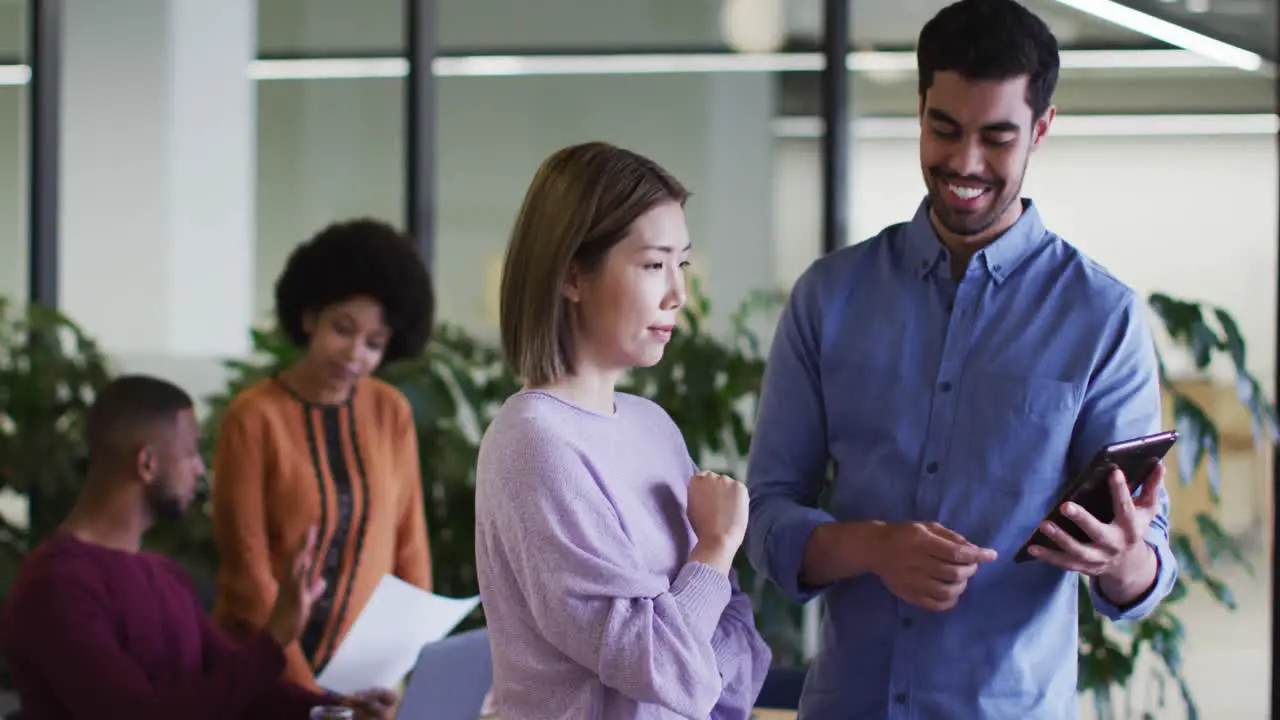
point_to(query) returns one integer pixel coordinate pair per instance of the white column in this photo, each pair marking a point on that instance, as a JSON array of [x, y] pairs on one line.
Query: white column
[[157, 177]]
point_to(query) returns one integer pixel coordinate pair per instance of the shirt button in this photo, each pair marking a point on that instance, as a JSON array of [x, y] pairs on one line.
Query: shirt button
[[931, 468], [945, 386], [900, 698], [907, 622]]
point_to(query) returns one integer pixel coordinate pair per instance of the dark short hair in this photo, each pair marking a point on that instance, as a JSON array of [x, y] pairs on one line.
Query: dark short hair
[[128, 408], [582, 201], [359, 258], [990, 40]]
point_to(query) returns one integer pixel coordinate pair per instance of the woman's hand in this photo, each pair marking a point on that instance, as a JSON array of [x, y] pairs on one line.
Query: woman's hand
[[717, 510]]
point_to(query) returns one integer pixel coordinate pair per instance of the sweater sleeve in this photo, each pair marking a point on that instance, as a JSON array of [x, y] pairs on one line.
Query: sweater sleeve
[[68, 636], [246, 586], [281, 700], [742, 656], [413, 553], [589, 594]]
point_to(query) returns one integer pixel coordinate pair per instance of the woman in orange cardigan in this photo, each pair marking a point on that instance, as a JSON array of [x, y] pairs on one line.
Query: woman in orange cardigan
[[323, 443]]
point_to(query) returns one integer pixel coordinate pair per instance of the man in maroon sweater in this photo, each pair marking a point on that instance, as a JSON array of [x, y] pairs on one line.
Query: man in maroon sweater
[[94, 628]]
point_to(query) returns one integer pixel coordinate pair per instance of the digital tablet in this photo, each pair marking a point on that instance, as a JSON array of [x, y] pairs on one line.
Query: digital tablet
[[1091, 489]]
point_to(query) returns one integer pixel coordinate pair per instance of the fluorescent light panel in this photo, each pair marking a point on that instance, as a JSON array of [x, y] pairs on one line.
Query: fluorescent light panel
[[1163, 30], [908, 128], [639, 64], [14, 74]]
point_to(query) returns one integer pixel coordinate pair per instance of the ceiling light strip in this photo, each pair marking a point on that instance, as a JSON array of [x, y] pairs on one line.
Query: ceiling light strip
[[1165, 31], [641, 64]]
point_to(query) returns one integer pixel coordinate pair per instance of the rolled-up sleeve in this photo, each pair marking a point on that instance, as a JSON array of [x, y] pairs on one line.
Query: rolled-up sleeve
[[788, 460], [1123, 402]]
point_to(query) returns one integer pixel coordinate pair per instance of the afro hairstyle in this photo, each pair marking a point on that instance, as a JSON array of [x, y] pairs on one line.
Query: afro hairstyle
[[359, 258]]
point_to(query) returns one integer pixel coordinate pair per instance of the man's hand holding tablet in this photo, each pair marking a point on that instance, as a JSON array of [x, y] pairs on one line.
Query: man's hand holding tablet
[[1107, 540]]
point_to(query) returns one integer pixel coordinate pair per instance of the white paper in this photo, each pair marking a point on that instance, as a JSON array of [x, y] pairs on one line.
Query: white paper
[[383, 643]]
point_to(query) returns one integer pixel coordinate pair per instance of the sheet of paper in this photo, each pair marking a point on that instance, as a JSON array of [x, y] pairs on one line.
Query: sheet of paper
[[383, 643]]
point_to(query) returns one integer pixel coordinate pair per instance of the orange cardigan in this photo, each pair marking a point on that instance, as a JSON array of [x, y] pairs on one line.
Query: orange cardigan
[[283, 464]]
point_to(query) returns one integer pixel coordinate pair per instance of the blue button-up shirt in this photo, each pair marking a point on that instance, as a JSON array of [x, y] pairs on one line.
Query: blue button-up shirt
[[969, 403]]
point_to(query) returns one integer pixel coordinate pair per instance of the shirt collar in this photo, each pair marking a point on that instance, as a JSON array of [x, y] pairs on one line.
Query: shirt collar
[[924, 250]]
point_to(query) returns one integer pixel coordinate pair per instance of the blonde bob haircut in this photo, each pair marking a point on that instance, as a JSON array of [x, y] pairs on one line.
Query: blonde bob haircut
[[582, 201]]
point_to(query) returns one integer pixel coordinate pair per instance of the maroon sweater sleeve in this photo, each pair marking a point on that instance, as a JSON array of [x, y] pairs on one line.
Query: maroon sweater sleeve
[[281, 700], [68, 638]]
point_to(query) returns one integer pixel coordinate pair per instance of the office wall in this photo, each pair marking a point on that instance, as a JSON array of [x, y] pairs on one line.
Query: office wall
[[335, 148], [712, 131]]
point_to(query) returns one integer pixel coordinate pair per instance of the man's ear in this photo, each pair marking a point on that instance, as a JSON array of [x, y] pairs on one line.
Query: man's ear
[[147, 464], [1040, 128], [309, 321]]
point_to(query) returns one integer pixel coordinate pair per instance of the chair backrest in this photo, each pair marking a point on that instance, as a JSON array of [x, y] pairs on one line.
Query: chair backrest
[[450, 680]]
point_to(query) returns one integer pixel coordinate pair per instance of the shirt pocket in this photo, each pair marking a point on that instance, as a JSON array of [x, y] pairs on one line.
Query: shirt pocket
[[1017, 431]]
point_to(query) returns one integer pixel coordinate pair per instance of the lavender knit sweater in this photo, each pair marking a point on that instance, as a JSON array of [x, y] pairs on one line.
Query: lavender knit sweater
[[582, 546]]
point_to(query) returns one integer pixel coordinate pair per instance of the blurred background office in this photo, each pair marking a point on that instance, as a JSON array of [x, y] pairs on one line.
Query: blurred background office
[[165, 156]]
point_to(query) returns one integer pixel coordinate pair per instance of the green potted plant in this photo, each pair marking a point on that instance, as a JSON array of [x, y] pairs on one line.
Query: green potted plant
[[1110, 653], [50, 372]]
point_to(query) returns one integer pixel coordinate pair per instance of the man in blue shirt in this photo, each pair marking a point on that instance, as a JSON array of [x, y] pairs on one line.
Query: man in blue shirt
[[950, 375]]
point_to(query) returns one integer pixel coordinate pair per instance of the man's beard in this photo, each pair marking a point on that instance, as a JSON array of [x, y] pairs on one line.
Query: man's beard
[[164, 504], [965, 224]]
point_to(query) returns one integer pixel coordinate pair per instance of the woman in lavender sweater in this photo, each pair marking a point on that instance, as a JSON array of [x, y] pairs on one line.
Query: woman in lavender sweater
[[603, 554]]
